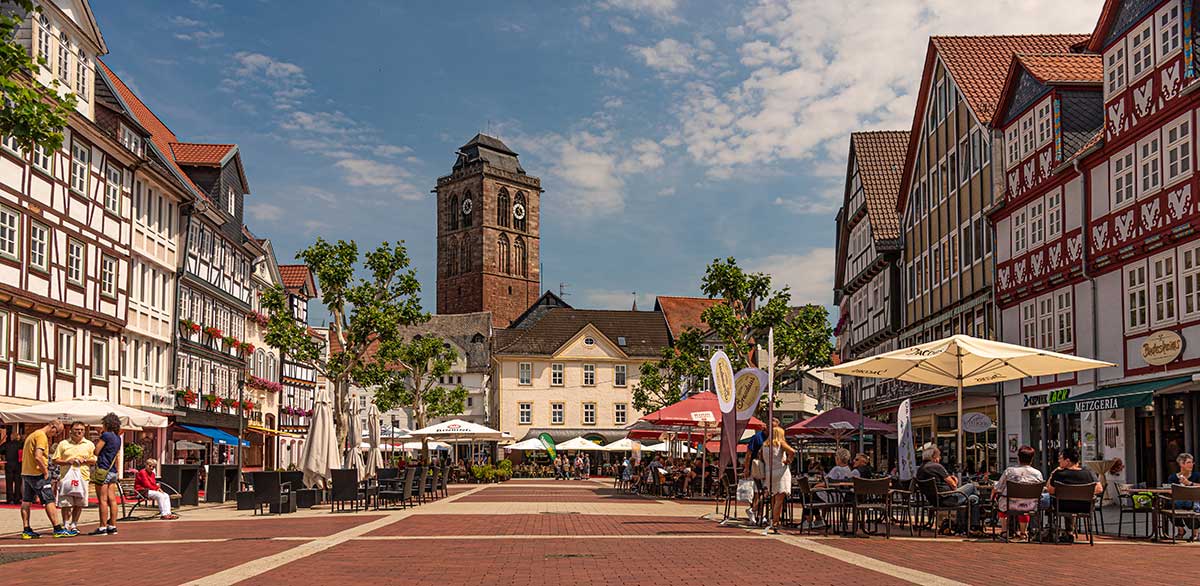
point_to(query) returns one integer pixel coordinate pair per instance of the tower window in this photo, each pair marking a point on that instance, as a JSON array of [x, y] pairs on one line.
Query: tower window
[[502, 208], [503, 260], [519, 253], [519, 211], [454, 212], [510, 289]]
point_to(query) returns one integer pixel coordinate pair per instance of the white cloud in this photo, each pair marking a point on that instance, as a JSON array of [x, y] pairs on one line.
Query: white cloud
[[815, 71], [265, 212], [668, 56], [664, 10], [825, 202], [391, 150], [202, 37], [371, 173], [615, 299], [666, 191], [809, 275], [590, 167], [611, 75], [284, 81], [644, 156], [613, 102], [622, 26], [207, 5], [184, 21]]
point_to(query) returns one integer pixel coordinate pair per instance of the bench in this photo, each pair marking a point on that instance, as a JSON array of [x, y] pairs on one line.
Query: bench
[[129, 493]]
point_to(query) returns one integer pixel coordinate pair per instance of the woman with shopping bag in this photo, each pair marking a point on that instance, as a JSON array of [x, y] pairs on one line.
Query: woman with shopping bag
[[75, 455]]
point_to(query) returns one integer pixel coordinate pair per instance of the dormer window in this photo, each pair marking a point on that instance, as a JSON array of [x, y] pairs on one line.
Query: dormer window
[[81, 66], [131, 140], [230, 201]]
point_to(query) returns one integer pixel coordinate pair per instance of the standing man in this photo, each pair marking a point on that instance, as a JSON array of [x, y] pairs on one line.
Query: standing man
[[35, 479], [77, 452], [11, 448], [558, 467]]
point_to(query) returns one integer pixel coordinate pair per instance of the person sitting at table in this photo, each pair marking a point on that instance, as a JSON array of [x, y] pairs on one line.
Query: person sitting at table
[[842, 471], [959, 493], [862, 465], [1023, 472], [1187, 476], [1069, 472]]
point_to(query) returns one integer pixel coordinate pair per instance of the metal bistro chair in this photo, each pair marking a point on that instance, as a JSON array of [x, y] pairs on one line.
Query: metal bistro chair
[[431, 483], [272, 493], [419, 487], [802, 493], [1078, 494], [1167, 511], [904, 504], [933, 503], [1127, 504], [442, 481], [345, 489], [870, 498], [1013, 491], [391, 486]]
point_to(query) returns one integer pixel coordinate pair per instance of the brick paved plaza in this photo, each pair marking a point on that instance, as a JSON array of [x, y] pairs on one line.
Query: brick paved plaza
[[548, 533]]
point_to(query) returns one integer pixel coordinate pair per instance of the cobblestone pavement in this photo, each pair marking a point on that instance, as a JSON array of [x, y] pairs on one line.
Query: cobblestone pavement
[[572, 533]]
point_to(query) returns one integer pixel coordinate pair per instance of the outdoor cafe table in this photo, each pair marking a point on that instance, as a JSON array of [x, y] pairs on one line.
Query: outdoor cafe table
[[1154, 508]]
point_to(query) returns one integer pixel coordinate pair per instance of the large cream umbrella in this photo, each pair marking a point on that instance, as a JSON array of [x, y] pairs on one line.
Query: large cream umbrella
[[321, 445], [351, 456], [964, 361], [532, 444], [374, 437], [88, 409], [579, 444]]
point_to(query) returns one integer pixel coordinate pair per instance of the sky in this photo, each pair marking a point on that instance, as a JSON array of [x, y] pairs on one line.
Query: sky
[[666, 133]]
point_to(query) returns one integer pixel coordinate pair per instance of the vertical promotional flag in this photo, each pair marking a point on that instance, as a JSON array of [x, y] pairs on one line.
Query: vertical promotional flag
[[548, 443], [722, 375], [907, 460]]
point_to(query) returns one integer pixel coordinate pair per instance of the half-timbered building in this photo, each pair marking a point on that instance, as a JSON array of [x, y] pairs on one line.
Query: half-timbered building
[[299, 379]]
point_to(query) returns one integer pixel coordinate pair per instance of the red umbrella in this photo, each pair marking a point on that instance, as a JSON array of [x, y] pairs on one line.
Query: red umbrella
[[837, 420], [694, 411], [714, 447]]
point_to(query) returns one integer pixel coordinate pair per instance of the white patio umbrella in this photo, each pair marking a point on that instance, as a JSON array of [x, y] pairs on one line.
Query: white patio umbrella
[[622, 445], [531, 444], [665, 447], [321, 445], [456, 430], [374, 437], [351, 457], [90, 410], [963, 361], [579, 444], [433, 445]]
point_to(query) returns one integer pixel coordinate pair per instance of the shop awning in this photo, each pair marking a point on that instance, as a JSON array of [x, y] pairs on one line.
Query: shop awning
[[218, 436], [269, 431], [1118, 397]]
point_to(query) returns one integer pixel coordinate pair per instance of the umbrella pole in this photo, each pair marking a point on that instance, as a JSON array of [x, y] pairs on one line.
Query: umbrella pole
[[959, 432]]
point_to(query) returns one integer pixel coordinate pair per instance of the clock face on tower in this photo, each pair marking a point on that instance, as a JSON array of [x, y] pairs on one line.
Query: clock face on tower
[[519, 211], [466, 207]]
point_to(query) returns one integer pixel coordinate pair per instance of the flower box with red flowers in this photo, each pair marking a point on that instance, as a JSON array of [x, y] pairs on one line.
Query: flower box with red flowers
[[229, 402], [214, 332], [189, 326], [246, 348], [264, 384], [248, 405], [259, 318], [186, 396], [212, 400]]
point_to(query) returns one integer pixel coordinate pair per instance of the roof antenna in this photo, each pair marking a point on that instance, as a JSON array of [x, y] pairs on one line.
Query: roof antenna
[[634, 300], [562, 289]]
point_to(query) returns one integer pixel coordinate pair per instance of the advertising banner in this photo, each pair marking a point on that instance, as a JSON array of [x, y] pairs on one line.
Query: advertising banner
[[906, 457]]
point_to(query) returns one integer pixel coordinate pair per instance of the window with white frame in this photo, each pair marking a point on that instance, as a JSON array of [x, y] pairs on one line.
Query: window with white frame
[[619, 374], [1141, 50], [1064, 318], [980, 237], [524, 373], [81, 67], [39, 242], [99, 358], [556, 374], [131, 140], [230, 201], [589, 414], [937, 263], [66, 351], [10, 234], [64, 58], [946, 262], [1028, 324], [952, 251], [1046, 322], [43, 51], [1149, 165], [620, 413], [1114, 69], [1167, 20], [1189, 274], [1054, 214], [108, 276], [1020, 230], [557, 413], [80, 158], [1037, 222], [1135, 297], [112, 189], [966, 238], [1178, 135], [525, 413], [9, 143], [1028, 134], [1162, 285], [977, 148], [1121, 174], [75, 261], [589, 375], [1045, 122], [29, 348]]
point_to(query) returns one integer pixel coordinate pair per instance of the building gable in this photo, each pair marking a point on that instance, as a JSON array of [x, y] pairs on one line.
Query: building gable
[[600, 348], [79, 13], [1117, 17], [1026, 91]]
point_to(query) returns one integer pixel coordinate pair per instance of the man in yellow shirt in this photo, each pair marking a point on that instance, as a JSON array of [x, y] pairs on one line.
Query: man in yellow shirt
[[77, 452], [35, 478]]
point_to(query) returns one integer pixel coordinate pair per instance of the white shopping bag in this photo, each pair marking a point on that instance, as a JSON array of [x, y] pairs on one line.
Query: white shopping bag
[[745, 490], [72, 484]]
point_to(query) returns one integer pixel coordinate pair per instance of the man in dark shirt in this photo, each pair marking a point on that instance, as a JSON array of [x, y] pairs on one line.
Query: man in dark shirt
[[931, 467], [863, 465], [11, 448], [1069, 472]]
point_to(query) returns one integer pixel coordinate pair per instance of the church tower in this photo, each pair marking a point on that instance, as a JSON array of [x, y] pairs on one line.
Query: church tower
[[488, 213]]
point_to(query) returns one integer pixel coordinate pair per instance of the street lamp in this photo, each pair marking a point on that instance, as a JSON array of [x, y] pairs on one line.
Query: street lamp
[[241, 409]]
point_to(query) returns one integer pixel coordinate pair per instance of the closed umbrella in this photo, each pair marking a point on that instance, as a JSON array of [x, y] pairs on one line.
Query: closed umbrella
[[321, 445], [351, 457], [374, 437], [962, 361]]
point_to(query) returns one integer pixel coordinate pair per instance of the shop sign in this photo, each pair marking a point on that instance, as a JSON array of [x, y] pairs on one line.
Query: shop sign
[[1036, 401], [1161, 347], [976, 422]]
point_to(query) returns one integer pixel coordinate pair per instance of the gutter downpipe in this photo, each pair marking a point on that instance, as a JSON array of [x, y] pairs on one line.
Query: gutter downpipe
[[1084, 213]]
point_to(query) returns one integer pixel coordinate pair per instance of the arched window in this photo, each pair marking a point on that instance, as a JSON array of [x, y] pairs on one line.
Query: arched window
[[452, 257], [260, 363], [520, 211], [454, 212], [519, 256], [502, 208], [503, 262], [468, 210], [464, 256]]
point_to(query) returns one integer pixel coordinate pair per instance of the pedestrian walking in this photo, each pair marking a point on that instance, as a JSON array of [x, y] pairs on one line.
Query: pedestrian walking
[[587, 466], [558, 467], [578, 467], [77, 454], [11, 449], [105, 474], [35, 479]]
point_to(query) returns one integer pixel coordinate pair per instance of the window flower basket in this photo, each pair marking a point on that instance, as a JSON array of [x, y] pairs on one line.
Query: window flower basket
[[214, 332], [246, 348], [212, 401], [289, 410], [189, 326], [248, 405], [259, 318], [230, 403], [264, 384], [186, 396], [231, 342]]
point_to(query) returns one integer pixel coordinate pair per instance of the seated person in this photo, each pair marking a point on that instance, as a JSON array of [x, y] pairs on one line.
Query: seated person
[[959, 494], [842, 471], [1187, 476], [862, 465], [1023, 472], [1069, 472], [146, 483]]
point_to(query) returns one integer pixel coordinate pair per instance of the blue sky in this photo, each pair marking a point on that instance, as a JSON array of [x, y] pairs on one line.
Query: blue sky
[[666, 132]]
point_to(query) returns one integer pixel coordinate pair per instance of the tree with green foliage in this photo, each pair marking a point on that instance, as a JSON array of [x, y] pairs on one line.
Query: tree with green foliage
[[365, 317], [33, 115], [682, 366], [417, 388], [803, 336]]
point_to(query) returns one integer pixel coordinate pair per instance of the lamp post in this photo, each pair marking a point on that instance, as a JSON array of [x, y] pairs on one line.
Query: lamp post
[[241, 421]]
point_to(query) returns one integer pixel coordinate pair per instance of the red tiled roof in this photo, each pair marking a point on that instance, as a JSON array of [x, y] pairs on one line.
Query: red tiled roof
[[682, 313], [160, 135], [191, 153], [294, 276], [1064, 67], [880, 157]]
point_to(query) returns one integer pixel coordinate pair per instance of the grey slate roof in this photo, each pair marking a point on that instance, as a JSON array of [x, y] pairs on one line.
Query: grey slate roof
[[645, 332], [491, 150]]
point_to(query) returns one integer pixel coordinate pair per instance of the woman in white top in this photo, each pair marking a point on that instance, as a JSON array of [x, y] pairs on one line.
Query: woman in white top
[[777, 454], [1024, 473]]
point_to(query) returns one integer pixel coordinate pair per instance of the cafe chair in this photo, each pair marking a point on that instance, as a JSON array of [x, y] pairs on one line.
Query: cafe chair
[[273, 494], [871, 500], [1016, 491], [1127, 504], [933, 504], [1172, 516], [1076, 493]]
